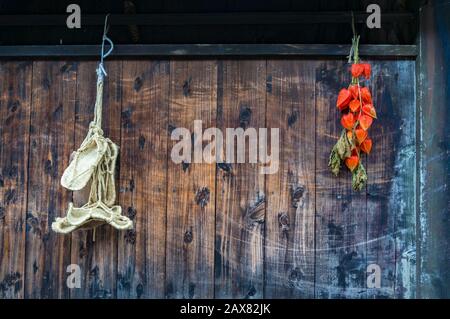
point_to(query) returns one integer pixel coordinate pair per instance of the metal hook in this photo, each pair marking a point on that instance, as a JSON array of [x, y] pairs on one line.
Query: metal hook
[[103, 55]]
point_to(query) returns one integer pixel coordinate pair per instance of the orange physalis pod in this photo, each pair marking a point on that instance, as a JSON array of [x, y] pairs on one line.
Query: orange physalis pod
[[357, 70], [365, 121], [344, 98], [366, 96], [360, 135], [352, 162], [354, 90], [348, 121], [355, 105], [366, 146], [369, 110], [367, 70]]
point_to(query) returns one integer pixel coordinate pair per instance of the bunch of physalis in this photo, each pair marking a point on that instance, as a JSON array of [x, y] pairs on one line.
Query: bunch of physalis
[[358, 112]]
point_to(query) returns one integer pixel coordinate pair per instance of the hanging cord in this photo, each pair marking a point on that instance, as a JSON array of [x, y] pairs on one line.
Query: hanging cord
[[354, 54], [101, 73], [96, 125]]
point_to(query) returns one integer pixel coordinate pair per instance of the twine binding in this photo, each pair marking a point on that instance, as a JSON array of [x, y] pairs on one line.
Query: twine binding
[[94, 161]]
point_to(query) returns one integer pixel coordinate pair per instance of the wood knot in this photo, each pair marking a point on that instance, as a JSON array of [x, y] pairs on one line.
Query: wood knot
[[171, 128], [137, 83], [283, 221], [13, 105], [33, 224], [202, 197], [48, 167], [126, 118], [226, 167], [131, 212], [255, 212], [292, 118], [245, 115], [252, 291], [139, 290], [296, 274], [141, 142], [184, 166], [10, 197], [130, 236], [296, 195], [10, 172], [82, 251], [9, 281], [335, 231], [188, 236], [187, 87]]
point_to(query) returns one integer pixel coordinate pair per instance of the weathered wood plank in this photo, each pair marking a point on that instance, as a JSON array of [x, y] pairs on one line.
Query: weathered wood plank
[[51, 143], [380, 169], [240, 203], [289, 237], [403, 191], [434, 108], [143, 178], [391, 186], [340, 211], [96, 254], [15, 104], [191, 188]]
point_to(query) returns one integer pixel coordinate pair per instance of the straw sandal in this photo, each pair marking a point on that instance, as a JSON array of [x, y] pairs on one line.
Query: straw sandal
[[94, 161], [85, 160]]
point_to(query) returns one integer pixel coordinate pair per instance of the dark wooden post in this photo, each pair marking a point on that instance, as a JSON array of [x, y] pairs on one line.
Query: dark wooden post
[[434, 165]]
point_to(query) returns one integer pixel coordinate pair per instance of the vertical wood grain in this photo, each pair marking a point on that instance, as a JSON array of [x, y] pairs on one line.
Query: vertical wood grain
[[240, 203], [391, 188], [289, 237], [51, 143], [340, 211], [434, 157], [15, 103], [191, 188], [143, 179], [96, 255]]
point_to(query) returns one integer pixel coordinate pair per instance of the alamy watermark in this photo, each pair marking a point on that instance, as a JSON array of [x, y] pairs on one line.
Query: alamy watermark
[[74, 278], [189, 148]]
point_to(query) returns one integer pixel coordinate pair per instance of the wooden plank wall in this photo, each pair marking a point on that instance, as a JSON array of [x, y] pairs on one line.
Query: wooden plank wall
[[206, 230]]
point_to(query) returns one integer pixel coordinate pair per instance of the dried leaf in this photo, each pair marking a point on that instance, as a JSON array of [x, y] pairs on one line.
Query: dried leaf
[[335, 161], [359, 178], [343, 146]]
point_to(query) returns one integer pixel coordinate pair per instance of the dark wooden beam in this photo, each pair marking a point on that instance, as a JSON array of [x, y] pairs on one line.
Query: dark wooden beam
[[180, 19], [408, 51]]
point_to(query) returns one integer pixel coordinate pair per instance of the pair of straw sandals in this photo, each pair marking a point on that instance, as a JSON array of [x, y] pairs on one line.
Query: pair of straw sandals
[[94, 161]]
